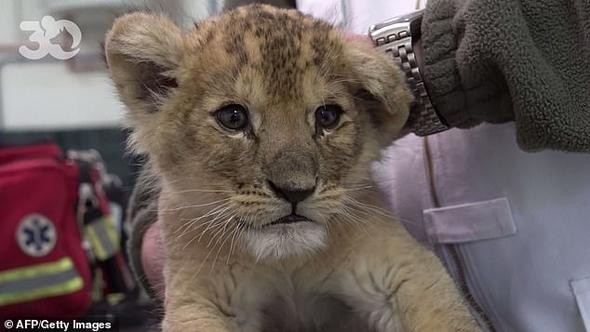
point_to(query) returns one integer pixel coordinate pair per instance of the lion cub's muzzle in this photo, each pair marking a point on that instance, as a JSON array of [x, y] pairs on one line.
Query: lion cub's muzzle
[[291, 176], [293, 196]]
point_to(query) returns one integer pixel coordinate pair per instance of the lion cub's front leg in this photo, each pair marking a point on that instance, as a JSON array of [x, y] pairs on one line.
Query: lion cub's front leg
[[397, 285], [214, 300]]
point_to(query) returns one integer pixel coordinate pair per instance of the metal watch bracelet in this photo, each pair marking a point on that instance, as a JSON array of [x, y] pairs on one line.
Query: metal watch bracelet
[[395, 37]]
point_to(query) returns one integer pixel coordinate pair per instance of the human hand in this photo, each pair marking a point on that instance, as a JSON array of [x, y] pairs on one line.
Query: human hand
[[152, 260]]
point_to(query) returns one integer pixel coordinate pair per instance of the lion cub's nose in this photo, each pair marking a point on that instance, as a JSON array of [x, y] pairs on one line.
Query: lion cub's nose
[[293, 196]]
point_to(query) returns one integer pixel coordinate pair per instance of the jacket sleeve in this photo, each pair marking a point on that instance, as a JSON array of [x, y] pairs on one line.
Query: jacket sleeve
[[522, 60]]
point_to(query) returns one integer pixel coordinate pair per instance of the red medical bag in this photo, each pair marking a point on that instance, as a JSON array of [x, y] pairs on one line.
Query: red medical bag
[[44, 268]]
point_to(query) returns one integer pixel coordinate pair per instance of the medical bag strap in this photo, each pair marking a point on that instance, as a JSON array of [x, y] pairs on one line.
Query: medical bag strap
[[102, 234]]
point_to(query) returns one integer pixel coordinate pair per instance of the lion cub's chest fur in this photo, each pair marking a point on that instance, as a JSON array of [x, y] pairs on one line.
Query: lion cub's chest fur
[[292, 304], [313, 312]]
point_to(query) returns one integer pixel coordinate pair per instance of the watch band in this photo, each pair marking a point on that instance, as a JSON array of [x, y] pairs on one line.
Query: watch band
[[395, 37]]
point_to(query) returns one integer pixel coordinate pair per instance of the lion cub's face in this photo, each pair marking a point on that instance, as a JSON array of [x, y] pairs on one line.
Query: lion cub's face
[[270, 112]]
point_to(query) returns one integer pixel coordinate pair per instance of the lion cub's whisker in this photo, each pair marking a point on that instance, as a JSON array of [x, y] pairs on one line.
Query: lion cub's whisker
[[221, 229], [188, 191], [190, 222], [178, 208], [370, 209], [189, 227], [212, 224]]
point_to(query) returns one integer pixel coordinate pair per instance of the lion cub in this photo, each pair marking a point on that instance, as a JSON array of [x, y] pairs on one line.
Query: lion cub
[[260, 125]]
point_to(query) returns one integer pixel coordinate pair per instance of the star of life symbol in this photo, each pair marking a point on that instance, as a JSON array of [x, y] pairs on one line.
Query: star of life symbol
[[44, 32], [36, 235]]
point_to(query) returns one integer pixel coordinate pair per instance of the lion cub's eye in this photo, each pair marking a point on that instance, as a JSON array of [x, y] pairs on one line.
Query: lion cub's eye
[[232, 117], [328, 116]]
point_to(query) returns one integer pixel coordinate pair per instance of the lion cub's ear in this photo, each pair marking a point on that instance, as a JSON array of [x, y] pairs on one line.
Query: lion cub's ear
[[382, 89], [143, 52]]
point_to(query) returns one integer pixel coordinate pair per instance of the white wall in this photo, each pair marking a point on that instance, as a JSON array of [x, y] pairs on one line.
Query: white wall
[[8, 25], [48, 96]]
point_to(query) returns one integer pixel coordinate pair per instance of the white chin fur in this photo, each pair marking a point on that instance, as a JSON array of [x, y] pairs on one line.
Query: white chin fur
[[280, 241]]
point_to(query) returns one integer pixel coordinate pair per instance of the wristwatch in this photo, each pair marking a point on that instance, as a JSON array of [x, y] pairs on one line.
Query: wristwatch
[[396, 37]]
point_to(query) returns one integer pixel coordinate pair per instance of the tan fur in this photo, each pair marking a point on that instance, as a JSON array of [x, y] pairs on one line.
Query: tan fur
[[353, 268]]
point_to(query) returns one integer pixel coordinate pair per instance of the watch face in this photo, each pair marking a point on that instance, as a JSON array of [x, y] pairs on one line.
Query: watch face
[[411, 22], [407, 18], [410, 16]]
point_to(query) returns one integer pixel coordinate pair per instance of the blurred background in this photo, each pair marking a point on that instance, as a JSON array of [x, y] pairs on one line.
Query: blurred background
[[62, 246], [71, 102]]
